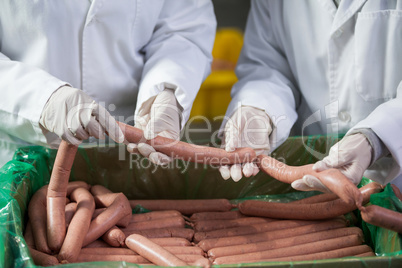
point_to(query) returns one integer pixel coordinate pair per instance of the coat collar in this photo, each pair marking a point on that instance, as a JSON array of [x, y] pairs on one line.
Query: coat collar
[[343, 13]]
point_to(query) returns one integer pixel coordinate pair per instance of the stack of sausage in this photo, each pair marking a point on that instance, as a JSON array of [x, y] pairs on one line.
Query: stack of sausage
[[101, 227]]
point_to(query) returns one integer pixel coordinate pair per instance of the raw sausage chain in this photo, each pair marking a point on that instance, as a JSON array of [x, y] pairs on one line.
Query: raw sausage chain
[[100, 226]]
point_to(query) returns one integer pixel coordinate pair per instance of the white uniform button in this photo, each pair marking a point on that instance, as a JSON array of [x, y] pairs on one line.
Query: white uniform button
[[344, 116], [338, 33]]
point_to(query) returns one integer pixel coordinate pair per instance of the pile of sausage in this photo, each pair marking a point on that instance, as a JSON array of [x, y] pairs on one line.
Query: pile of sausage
[[100, 226]]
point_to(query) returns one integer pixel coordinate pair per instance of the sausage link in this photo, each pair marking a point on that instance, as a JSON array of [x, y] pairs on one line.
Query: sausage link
[[119, 209], [316, 211], [186, 233], [114, 237], [309, 248], [383, 217], [186, 207], [152, 251], [252, 229], [207, 244], [226, 215], [333, 179], [189, 152], [284, 242], [56, 195], [79, 225]]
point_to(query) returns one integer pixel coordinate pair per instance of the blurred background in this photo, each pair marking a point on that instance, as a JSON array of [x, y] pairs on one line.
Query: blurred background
[[214, 95]]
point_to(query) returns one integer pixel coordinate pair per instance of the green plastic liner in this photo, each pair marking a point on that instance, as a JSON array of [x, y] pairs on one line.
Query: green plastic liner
[[112, 167]]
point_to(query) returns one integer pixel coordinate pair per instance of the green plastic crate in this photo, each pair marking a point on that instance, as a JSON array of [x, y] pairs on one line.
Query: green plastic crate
[[112, 167]]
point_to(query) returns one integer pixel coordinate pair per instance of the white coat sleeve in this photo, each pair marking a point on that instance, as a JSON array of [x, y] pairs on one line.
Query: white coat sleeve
[[386, 122], [178, 55], [265, 78], [25, 90]]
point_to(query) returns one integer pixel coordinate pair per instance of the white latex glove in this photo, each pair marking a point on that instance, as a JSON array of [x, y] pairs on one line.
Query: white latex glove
[[158, 116], [248, 127], [351, 155], [74, 116]]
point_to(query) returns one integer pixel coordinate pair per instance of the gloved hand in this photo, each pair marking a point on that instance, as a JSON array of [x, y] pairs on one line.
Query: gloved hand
[[351, 155], [248, 127], [158, 116], [74, 116]]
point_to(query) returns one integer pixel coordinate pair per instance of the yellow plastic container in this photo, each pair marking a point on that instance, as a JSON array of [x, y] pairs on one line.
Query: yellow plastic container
[[213, 97]]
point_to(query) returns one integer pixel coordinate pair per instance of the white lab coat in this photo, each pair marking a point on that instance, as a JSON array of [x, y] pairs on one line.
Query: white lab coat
[[120, 53], [316, 69]]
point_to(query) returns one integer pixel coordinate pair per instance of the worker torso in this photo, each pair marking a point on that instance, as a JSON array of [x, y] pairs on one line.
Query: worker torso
[[346, 60], [96, 46]]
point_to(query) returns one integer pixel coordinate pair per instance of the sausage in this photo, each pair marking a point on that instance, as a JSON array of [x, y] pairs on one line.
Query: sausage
[[28, 236], [186, 233], [119, 209], [333, 179], [104, 198], [186, 206], [107, 251], [252, 229], [79, 225], [207, 244], [153, 215], [104, 258], [37, 218], [171, 241], [210, 225], [316, 211], [383, 217], [100, 190], [171, 222], [309, 248], [189, 152], [226, 215], [396, 191], [56, 195], [97, 244], [72, 185], [152, 251], [114, 237], [188, 250], [284, 242], [324, 197], [336, 253], [42, 259], [121, 223], [366, 254], [69, 212], [37, 214]]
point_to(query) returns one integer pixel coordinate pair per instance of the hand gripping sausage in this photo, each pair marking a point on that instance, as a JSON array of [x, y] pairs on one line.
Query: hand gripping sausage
[[189, 152], [56, 194], [333, 179]]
